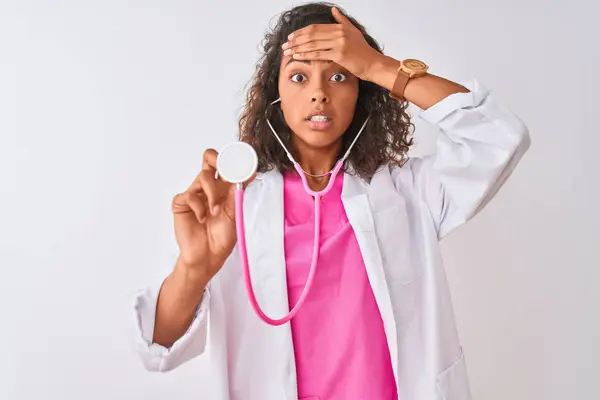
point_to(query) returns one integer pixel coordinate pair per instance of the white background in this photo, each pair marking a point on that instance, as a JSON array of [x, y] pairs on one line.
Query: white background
[[106, 107]]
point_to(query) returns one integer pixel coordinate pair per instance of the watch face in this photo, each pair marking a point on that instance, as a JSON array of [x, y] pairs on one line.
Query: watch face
[[415, 65]]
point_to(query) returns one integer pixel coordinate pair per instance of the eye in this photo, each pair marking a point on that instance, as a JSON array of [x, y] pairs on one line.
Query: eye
[[341, 77], [298, 74]]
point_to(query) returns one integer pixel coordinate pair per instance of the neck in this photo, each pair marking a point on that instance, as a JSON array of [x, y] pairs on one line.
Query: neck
[[317, 161]]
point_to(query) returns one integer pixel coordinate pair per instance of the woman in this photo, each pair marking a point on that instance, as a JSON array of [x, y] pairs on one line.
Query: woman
[[378, 321]]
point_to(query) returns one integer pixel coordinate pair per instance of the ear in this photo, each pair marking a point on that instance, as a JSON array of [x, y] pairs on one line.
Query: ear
[[338, 16]]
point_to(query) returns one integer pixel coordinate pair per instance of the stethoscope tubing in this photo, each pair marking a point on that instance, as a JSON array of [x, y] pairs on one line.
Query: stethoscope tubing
[[243, 250]]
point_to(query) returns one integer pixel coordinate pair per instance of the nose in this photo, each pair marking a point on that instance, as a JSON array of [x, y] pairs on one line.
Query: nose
[[319, 97]]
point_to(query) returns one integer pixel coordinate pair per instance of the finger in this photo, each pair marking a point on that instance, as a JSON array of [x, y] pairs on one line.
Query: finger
[[196, 186], [339, 17], [328, 34], [330, 55], [198, 205], [314, 29], [206, 181], [210, 164], [209, 159], [311, 46], [190, 202], [214, 189]]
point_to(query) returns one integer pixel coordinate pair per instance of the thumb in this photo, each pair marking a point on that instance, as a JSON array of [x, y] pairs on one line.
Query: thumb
[[338, 16]]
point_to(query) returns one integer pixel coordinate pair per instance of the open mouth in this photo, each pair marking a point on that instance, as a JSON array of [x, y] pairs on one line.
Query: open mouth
[[319, 122], [319, 118]]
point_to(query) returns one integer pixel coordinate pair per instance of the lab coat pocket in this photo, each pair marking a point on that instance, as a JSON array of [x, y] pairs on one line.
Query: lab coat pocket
[[395, 242], [453, 383]]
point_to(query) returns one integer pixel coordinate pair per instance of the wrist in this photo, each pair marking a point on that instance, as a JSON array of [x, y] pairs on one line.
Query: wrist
[[383, 71], [195, 275]]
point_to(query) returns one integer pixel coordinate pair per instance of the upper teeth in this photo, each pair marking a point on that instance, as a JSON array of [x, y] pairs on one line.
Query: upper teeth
[[319, 118]]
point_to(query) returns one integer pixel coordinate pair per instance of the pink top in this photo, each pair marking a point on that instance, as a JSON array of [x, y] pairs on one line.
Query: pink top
[[339, 341]]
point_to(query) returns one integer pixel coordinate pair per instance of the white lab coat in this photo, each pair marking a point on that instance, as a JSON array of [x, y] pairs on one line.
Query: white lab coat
[[398, 219]]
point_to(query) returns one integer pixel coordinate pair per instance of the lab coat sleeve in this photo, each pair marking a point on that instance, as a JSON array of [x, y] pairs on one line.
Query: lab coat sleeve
[[480, 144], [154, 356]]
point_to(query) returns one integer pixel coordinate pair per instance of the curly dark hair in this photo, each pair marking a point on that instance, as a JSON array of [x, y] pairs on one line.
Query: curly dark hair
[[386, 137]]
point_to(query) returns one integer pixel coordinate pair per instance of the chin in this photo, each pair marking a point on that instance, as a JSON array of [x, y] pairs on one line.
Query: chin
[[314, 138]]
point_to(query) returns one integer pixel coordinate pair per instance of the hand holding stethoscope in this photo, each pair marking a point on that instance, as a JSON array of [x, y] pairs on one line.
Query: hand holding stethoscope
[[206, 239]]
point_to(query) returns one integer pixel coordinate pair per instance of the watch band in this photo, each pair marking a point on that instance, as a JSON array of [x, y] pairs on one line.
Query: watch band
[[400, 83]]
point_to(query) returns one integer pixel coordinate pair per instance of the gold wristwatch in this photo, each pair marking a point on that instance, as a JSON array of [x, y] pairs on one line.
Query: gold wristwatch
[[408, 69]]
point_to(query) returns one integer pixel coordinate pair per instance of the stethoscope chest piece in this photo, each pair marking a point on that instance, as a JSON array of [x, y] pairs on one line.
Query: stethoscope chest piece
[[237, 162]]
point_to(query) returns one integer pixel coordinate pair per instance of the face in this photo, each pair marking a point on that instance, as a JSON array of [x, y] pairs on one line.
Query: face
[[308, 87]]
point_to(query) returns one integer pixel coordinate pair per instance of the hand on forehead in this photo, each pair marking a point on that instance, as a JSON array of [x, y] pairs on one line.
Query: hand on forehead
[[341, 43]]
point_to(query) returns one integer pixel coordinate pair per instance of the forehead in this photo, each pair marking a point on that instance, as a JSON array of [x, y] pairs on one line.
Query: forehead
[[290, 62]]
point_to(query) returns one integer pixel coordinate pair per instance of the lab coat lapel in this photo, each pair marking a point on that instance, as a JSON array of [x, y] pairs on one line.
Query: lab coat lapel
[[263, 209], [359, 209]]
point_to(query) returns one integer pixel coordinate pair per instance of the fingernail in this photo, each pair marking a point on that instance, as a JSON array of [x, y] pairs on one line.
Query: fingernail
[[215, 210], [288, 52], [283, 46], [291, 35]]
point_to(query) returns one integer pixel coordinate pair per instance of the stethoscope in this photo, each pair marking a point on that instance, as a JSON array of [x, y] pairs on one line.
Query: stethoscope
[[236, 163]]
